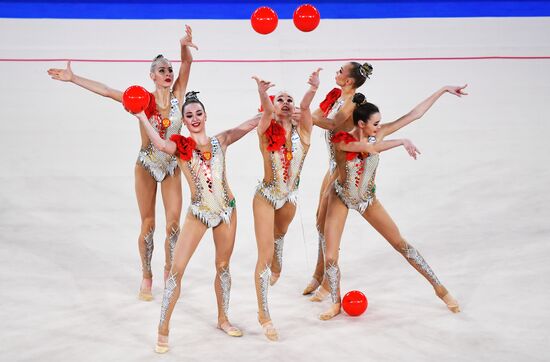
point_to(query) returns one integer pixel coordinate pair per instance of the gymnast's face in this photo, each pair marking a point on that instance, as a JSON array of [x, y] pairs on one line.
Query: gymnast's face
[[342, 75], [370, 127], [163, 75], [194, 117], [284, 104]]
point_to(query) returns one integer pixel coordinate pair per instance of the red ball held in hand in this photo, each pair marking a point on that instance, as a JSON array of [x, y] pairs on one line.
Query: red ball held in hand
[[135, 99], [264, 20], [354, 303], [306, 17]]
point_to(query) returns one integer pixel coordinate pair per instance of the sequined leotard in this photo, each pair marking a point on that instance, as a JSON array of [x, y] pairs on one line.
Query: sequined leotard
[[286, 164], [158, 163], [330, 106], [357, 188], [328, 135], [211, 199]]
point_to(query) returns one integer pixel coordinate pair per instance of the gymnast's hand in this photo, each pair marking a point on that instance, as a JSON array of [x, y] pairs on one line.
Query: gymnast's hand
[[263, 85], [313, 80], [411, 148], [456, 90], [296, 114], [188, 39], [140, 116], [64, 75]]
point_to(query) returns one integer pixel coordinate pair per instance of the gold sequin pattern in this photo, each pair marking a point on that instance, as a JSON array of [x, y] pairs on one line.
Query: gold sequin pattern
[[359, 188], [211, 202], [156, 162], [284, 186]]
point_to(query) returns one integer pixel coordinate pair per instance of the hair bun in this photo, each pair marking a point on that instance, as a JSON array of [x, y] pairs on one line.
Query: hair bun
[[191, 96], [368, 69], [359, 98], [157, 60]]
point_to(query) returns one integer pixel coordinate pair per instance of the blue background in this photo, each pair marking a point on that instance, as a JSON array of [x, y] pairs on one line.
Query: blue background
[[235, 9]]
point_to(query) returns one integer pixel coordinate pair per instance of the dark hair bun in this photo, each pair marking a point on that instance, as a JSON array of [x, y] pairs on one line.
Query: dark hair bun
[[191, 96], [359, 98]]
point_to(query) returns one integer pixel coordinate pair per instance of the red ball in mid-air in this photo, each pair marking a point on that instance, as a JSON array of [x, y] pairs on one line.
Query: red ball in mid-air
[[264, 20], [355, 303], [135, 99], [306, 17]]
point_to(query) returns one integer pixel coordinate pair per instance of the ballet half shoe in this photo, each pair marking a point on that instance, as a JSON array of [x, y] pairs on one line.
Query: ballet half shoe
[[451, 303], [145, 290], [145, 296], [311, 287], [334, 310], [320, 294], [269, 331], [230, 330], [162, 344]]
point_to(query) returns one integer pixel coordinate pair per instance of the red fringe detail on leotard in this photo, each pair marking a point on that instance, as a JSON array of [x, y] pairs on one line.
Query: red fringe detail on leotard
[[346, 138], [330, 99], [276, 136], [185, 146]]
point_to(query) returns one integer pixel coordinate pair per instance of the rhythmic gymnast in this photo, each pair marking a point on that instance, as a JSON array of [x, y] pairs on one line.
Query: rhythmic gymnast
[[334, 114], [283, 145], [153, 166], [201, 159], [356, 155]]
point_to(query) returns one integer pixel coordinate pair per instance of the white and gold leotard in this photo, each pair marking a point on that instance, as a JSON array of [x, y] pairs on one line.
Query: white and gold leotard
[[282, 178], [330, 106], [211, 199], [328, 135], [357, 189], [156, 162]]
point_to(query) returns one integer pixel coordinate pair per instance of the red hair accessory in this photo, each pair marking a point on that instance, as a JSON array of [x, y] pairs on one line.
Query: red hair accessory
[[330, 99], [276, 136], [261, 109], [346, 138], [184, 146]]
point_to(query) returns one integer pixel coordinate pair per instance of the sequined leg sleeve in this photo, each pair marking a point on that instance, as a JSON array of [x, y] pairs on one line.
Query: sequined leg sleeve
[[417, 261], [279, 242], [172, 239], [225, 284], [149, 246], [265, 276], [333, 274], [169, 290], [322, 244]]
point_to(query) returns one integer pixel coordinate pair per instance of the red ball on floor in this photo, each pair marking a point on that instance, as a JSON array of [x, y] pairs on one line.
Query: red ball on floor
[[355, 303]]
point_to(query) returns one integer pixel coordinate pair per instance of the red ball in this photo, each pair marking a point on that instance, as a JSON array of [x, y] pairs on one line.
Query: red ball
[[135, 99], [355, 303], [264, 20], [306, 17]]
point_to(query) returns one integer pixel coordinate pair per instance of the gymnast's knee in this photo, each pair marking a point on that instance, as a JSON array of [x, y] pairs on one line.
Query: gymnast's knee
[[172, 228], [147, 225]]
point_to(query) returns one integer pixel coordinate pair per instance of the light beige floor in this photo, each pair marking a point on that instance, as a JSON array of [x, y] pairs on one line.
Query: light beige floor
[[475, 203]]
